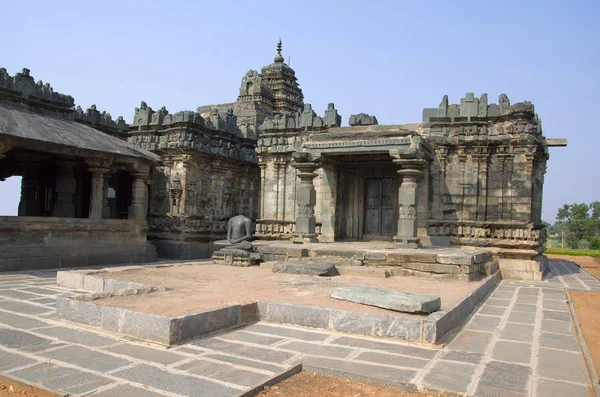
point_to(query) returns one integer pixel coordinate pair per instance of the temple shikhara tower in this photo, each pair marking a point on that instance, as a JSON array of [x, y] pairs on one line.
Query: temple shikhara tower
[[469, 174]]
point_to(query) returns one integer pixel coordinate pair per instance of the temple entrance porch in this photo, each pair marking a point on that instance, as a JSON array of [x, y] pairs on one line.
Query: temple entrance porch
[[375, 189], [366, 199]]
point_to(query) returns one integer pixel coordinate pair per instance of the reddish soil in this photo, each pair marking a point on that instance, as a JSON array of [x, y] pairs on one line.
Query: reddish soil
[[9, 389], [308, 384], [201, 287], [589, 263], [587, 307]]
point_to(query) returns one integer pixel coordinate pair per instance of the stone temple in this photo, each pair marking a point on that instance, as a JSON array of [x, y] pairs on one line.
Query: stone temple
[[468, 175]]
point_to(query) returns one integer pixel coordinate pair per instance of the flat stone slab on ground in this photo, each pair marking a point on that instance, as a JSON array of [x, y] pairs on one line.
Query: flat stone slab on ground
[[313, 268], [407, 302]]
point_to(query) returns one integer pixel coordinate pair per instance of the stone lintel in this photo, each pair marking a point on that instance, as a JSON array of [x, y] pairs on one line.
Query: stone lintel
[[556, 142]]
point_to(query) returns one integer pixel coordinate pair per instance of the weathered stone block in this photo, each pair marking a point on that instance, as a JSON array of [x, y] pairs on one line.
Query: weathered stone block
[[394, 300], [404, 328], [360, 323], [363, 271], [288, 313], [313, 268], [78, 311], [455, 259], [203, 323], [69, 279], [375, 256], [433, 268]]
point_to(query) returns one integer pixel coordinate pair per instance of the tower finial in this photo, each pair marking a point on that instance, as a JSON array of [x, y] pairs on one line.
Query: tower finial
[[279, 57]]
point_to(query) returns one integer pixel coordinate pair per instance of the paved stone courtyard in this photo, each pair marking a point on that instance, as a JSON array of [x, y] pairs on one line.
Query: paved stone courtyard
[[519, 343]]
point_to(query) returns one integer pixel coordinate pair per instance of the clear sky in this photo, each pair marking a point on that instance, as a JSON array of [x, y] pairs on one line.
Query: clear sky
[[387, 58]]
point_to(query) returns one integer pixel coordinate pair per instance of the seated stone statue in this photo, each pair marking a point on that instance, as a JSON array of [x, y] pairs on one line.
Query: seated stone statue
[[239, 235]]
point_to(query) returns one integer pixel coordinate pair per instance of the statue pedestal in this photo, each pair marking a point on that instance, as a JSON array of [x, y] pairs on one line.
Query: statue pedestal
[[235, 257]]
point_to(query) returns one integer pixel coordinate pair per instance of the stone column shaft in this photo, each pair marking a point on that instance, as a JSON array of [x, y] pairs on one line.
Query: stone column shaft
[[406, 233], [66, 185], [97, 193], [138, 196], [306, 198], [30, 204]]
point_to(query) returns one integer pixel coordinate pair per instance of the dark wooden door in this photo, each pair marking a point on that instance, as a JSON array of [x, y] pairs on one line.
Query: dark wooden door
[[379, 207]]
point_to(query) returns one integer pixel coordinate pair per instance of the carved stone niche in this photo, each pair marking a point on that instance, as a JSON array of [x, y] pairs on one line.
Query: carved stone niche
[[175, 192]]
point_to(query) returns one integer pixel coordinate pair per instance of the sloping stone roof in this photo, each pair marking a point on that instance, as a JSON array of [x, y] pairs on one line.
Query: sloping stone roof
[[19, 121]]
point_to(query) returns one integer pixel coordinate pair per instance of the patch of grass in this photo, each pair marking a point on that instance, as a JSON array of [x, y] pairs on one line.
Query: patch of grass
[[564, 251]]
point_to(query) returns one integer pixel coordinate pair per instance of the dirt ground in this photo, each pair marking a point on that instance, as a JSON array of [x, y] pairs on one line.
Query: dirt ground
[[587, 307], [308, 384], [10, 390], [589, 263], [201, 287]]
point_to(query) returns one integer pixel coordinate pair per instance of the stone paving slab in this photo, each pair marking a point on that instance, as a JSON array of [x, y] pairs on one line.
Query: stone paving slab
[[454, 377], [126, 391], [288, 332], [246, 362], [259, 353], [176, 383], [520, 342], [11, 361], [86, 358], [21, 322], [144, 353], [367, 370], [22, 307], [56, 377], [86, 338]]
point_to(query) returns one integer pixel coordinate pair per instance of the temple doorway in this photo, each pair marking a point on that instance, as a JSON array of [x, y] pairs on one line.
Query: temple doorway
[[379, 208]]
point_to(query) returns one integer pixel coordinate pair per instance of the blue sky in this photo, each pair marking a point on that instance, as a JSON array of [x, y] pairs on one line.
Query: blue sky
[[388, 58]]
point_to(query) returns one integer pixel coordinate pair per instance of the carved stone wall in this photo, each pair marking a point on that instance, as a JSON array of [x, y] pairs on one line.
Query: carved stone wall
[[209, 174], [483, 187], [486, 180]]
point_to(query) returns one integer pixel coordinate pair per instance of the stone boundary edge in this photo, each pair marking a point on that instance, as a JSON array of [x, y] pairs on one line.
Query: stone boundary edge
[[279, 377], [589, 362], [169, 331], [391, 384], [164, 330], [430, 329]]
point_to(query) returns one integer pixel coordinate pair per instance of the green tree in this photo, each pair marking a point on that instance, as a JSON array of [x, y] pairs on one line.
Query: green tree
[[579, 220]]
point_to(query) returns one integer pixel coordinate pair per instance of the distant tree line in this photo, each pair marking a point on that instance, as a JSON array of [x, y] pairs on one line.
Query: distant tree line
[[579, 225]]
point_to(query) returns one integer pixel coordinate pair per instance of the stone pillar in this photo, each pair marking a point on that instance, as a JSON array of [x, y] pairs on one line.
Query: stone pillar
[[66, 185], [261, 210], [97, 193], [105, 206], [482, 158], [98, 167], [30, 198], [138, 196], [406, 234], [306, 198], [438, 198]]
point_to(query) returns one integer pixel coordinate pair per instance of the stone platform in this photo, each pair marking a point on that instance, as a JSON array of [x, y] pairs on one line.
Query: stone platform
[[520, 342], [448, 263]]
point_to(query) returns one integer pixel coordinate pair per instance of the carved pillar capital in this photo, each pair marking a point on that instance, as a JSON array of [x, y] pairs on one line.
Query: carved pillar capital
[[4, 148], [99, 162]]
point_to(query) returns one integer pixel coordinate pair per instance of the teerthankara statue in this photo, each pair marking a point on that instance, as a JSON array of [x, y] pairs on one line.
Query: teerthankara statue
[[237, 249]]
